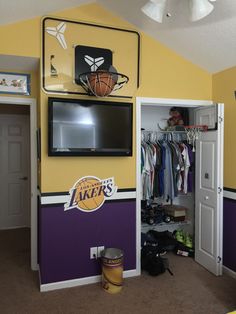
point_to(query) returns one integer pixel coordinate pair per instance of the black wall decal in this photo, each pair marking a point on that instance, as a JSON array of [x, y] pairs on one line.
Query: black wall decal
[[91, 59]]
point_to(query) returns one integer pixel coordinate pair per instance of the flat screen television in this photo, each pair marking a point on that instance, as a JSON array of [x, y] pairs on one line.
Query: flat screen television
[[89, 128]]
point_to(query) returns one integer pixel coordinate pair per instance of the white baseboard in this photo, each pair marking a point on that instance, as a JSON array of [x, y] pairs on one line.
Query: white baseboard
[[131, 273], [229, 272], [80, 282], [35, 268]]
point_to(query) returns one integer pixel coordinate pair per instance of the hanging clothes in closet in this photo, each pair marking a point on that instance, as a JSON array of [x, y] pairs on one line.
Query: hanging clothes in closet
[[166, 167]]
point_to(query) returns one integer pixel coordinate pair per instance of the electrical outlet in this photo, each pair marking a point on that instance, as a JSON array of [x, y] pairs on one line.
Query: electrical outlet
[[93, 252], [100, 249]]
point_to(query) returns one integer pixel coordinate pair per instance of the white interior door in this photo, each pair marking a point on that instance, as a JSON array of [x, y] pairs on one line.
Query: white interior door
[[14, 171], [209, 194]]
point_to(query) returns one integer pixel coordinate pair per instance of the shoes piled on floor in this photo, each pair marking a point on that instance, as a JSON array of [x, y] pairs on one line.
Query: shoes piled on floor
[[185, 243]]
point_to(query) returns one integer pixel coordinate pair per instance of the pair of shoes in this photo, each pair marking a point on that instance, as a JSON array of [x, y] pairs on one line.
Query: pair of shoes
[[184, 238], [188, 241]]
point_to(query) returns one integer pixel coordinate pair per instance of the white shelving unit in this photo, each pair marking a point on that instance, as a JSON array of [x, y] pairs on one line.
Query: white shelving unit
[[171, 226]]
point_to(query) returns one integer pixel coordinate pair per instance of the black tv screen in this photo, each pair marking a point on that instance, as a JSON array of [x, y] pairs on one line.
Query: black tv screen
[[89, 128]]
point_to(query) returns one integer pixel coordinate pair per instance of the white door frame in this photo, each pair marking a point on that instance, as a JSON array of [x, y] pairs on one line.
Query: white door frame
[[33, 169], [152, 102]]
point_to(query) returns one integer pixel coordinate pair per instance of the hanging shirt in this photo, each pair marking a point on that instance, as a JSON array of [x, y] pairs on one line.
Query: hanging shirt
[[186, 168], [147, 172], [175, 165], [156, 187], [191, 156], [168, 175], [161, 172]]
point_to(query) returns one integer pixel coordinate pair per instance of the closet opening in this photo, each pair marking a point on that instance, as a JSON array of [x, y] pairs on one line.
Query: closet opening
[[179, 176]]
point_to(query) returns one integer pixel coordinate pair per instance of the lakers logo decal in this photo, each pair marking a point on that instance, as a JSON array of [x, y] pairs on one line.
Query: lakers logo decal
[[89, 193]]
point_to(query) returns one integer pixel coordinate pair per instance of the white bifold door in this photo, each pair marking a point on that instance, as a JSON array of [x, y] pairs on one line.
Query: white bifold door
[[209, 189]]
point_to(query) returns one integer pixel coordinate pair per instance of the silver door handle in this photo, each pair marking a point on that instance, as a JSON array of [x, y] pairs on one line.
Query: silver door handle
[[23, 178], [206, 197]]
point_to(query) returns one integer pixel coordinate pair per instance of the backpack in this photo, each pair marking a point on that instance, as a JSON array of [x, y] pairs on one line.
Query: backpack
[[152, 262]]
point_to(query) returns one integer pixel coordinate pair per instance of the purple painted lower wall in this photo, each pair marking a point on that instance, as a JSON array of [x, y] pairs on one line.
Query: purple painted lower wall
[[66, 238], [229, 234]]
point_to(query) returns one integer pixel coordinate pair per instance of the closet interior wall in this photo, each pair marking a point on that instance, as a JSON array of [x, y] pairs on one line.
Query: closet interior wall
[[151, 117]]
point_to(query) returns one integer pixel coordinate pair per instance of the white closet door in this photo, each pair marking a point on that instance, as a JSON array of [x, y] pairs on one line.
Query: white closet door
[[209, 196]]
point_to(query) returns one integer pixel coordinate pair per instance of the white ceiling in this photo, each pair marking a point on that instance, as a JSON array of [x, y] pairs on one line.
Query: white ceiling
[[209, 43]]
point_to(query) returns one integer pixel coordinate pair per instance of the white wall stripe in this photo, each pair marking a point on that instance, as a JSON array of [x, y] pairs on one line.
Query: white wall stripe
[[57, 199], [231, 195], [123, 195]]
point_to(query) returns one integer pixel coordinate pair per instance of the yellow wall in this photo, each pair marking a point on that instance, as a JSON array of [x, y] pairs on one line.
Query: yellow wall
[[167, 75], [163, 74], [223, 91]]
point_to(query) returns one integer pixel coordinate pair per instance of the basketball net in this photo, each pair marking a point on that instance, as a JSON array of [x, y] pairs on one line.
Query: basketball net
[[102, 83]]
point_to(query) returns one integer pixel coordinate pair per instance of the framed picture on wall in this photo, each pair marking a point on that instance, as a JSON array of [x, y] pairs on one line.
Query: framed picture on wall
[[14, 83]]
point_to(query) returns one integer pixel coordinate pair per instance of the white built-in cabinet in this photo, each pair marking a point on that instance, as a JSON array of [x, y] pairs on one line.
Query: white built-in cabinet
[[205, 203]]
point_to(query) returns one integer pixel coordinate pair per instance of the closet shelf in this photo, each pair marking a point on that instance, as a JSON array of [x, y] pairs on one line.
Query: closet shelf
[[171, 226]]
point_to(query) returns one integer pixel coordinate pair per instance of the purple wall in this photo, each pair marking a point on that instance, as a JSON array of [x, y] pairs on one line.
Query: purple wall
[[66, 238], [229, 234]]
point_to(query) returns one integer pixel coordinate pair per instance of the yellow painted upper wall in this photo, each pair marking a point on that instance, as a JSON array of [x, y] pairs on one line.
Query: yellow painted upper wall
[[223, 91], [21, 39], [163, 73]]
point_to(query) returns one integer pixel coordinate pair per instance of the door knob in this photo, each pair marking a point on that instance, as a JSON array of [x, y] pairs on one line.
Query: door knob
[[206, 197], [24, 178]]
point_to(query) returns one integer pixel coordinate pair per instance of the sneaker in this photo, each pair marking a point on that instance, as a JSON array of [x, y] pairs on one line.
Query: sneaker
[[188, 241], [179, 236]]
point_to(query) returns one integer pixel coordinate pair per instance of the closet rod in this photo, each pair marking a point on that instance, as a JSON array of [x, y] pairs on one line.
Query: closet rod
[[171, 131], [164, 131]]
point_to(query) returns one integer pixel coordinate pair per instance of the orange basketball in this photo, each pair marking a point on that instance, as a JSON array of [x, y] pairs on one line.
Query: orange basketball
[[89, 203], [101, 83]]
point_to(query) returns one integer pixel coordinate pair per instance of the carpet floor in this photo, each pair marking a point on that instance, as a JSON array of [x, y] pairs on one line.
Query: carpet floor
[[192, 289]]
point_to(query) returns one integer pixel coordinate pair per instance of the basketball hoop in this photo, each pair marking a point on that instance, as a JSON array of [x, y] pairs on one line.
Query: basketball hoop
[[193, 132], [101, 83]]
